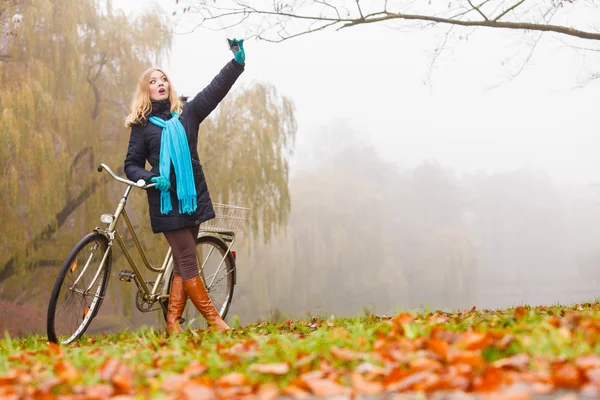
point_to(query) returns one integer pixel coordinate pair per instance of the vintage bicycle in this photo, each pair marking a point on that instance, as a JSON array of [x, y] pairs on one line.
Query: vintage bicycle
[[82, 281]]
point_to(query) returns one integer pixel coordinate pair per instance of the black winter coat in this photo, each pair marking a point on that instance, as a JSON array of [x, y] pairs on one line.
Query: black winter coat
[[144, 144]]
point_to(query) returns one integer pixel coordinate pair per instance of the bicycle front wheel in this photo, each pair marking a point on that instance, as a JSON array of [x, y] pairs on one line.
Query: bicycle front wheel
[[79, 289]]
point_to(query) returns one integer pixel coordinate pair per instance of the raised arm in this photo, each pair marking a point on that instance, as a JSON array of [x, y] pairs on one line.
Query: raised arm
[[210, 97], [135, 160]]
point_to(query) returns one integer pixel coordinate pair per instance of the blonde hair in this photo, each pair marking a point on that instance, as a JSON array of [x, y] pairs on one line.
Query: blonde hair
[[141, 104]]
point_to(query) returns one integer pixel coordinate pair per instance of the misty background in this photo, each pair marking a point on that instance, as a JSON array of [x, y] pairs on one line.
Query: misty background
[[463, 179], [412, 185]]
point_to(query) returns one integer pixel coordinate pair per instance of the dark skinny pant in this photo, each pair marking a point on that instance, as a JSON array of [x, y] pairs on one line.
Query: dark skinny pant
[[183, 243]]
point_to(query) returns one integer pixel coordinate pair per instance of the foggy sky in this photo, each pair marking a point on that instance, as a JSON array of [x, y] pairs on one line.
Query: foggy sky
[[377, 80]]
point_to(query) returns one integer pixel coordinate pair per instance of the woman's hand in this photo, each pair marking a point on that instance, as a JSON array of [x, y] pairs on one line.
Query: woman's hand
[[161, 183], [240, 55]]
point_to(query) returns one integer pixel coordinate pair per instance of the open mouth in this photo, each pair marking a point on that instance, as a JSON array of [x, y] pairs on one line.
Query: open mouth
[[162, 91]]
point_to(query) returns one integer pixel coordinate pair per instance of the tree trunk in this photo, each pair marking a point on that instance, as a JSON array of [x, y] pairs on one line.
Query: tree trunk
[[61, 217]]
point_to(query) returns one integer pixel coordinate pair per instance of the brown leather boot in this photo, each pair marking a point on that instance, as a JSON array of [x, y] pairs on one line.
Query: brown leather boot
[[177, 299], [199, 296]]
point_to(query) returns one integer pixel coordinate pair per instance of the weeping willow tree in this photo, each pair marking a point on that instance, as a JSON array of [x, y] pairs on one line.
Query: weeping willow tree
[[67, 74], [362, 234], [439, 255], [245, 150], [339, 220], [67, 71], [333, 255]]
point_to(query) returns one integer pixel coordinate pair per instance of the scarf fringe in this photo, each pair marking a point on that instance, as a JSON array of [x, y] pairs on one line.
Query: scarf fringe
[[187, 205], [165, 202]]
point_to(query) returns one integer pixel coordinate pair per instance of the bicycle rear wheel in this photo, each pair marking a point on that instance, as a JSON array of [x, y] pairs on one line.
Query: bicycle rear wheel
[[218, 276], [79, 289]]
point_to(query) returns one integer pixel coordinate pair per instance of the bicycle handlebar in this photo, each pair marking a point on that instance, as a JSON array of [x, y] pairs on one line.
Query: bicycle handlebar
[[140, 184]]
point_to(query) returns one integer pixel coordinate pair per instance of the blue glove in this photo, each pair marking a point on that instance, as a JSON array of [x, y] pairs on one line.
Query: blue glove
[[161, 183], [240, 55]]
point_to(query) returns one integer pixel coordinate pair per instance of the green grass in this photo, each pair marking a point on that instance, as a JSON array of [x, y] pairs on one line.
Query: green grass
[[339, 348]]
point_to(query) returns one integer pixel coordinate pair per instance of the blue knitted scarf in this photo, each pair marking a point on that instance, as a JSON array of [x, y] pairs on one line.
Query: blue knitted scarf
[[174, 149]]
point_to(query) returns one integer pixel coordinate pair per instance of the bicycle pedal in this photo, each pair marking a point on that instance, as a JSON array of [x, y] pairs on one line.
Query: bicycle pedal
[[126, 275]]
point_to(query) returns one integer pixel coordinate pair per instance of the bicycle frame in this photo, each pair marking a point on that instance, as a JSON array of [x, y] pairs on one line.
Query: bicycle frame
[[112, 234], [216, 233]]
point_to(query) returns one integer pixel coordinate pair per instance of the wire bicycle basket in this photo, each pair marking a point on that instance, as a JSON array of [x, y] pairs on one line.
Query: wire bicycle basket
[[227, 218]]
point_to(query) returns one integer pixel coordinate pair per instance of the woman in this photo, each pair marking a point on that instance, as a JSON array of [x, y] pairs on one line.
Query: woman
[[165, 132]]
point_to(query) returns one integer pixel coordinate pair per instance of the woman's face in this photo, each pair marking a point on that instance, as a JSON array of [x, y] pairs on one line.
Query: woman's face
[[158, 86]]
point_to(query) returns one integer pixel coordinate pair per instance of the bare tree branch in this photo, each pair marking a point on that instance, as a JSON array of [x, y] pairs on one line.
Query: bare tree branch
[[490, 24], [233, 25], [529, 56], [523, 65], [509, 10], [297, 34], [584, 48], [337, 12], [359, 9], [438, 51], [289, 19], [479, 10], [463, 13], [335, 18]]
